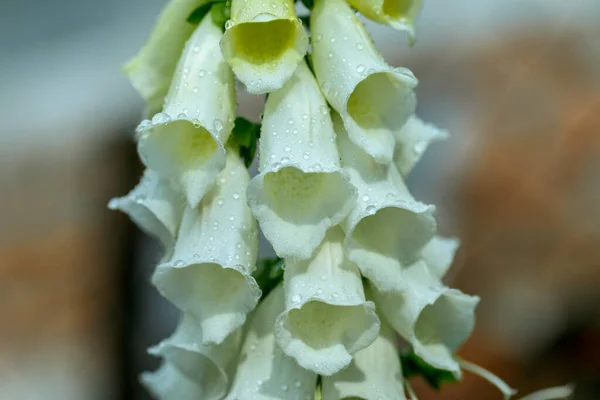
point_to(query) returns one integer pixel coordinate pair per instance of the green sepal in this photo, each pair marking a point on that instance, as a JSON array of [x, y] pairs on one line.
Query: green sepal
[[244, 137], [413, 365]]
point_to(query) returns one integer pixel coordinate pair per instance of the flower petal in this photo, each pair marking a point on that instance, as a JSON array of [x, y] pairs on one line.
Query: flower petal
[[438, 254], [263, 43], [374, 371], [152, 69], [412, 141], [502, 386], [399, 14], [265, 372], [209, 367], [167, 383], [327, 318], [301, 191], [435, 319], [185, 142], [209, 273], [154, 206], [374, 99], [387, 228]]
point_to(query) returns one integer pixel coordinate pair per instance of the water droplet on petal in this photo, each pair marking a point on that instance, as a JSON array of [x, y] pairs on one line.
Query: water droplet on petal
[[218, 124], [360, 69]]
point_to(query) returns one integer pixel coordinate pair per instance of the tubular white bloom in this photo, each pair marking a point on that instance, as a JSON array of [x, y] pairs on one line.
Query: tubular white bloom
[[374, 99], [412, 141], [375, 372], [399, 14], [215, 253], [327, 318], [209, 367], [167, 383], [152, 69], [186, 141], [387, 228], [263, 43], [301, 190], [435, 319], [154, 206], [265, 372], [438, 254]]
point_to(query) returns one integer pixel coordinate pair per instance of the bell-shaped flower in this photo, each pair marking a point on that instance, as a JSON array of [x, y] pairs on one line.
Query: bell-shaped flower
[[399, 14], [264, 371], [209, 368], [435, 319], [263, 43], [208, 275], [388, 227], [375, 372], [301, 190], [155, 208], [438, 254], [327, 318], [412, 141], [152, 69], [374, 99], [185, 142]]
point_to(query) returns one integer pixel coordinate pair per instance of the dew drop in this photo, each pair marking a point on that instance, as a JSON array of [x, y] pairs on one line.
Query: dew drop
[[330, 55], [291, 121], [201, 73], [297, 384], [359, 46], [306, 155], [323, 110], [319, 292], [196, 49], [371, 209], [236, 196], [334, 295], [365, 198], [178, 263], [360, 69], [228, 24], [161, 118], [218, 124], [296, 298], [284, 387], [287, 148], [220, 202]]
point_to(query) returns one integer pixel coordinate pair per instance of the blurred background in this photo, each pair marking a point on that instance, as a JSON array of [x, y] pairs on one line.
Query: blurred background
[[517, 84]]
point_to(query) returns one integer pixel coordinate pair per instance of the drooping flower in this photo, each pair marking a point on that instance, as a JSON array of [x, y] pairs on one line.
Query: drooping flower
[[326, 317], [375, 372], [208, 276], [205, 370], [152, 69], [399, 14], [186, 141], [265, 372], [388, 227], [374, 99], [301, 190], [155, 207], [263, 43], [412, 141]]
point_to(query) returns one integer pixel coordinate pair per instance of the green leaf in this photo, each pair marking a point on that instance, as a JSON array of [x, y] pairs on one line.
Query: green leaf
[[413, 365], [269, 274], [244, 136]]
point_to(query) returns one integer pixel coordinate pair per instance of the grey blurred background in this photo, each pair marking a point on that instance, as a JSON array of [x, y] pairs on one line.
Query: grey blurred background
[[517, 84]]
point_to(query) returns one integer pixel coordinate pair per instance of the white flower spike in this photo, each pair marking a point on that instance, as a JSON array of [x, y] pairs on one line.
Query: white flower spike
[[399, 14], [208, 367], [208, 276], [301, 190], [155, 207], [375, 372], [185, 142], [327, 318], [438, 254], [152, 69], [435, 319], [265, 372], [374, 99], [388, 227], [263, 43], [412, 141]]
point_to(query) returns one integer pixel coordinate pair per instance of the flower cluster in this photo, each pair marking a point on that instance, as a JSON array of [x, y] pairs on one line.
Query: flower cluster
[[362, 262]]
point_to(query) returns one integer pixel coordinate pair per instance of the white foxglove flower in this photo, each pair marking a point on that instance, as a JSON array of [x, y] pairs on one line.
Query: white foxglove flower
[[388, 227], [154, 206], [265, 372], [263, 43], [210, 368], [399, 14], [301, 190], [208, 276], [375, 372], [167, 383], [327, 318], [185, 142], [435, 319], [438, 254], [412, 141], [374, 99], [152, 69]]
